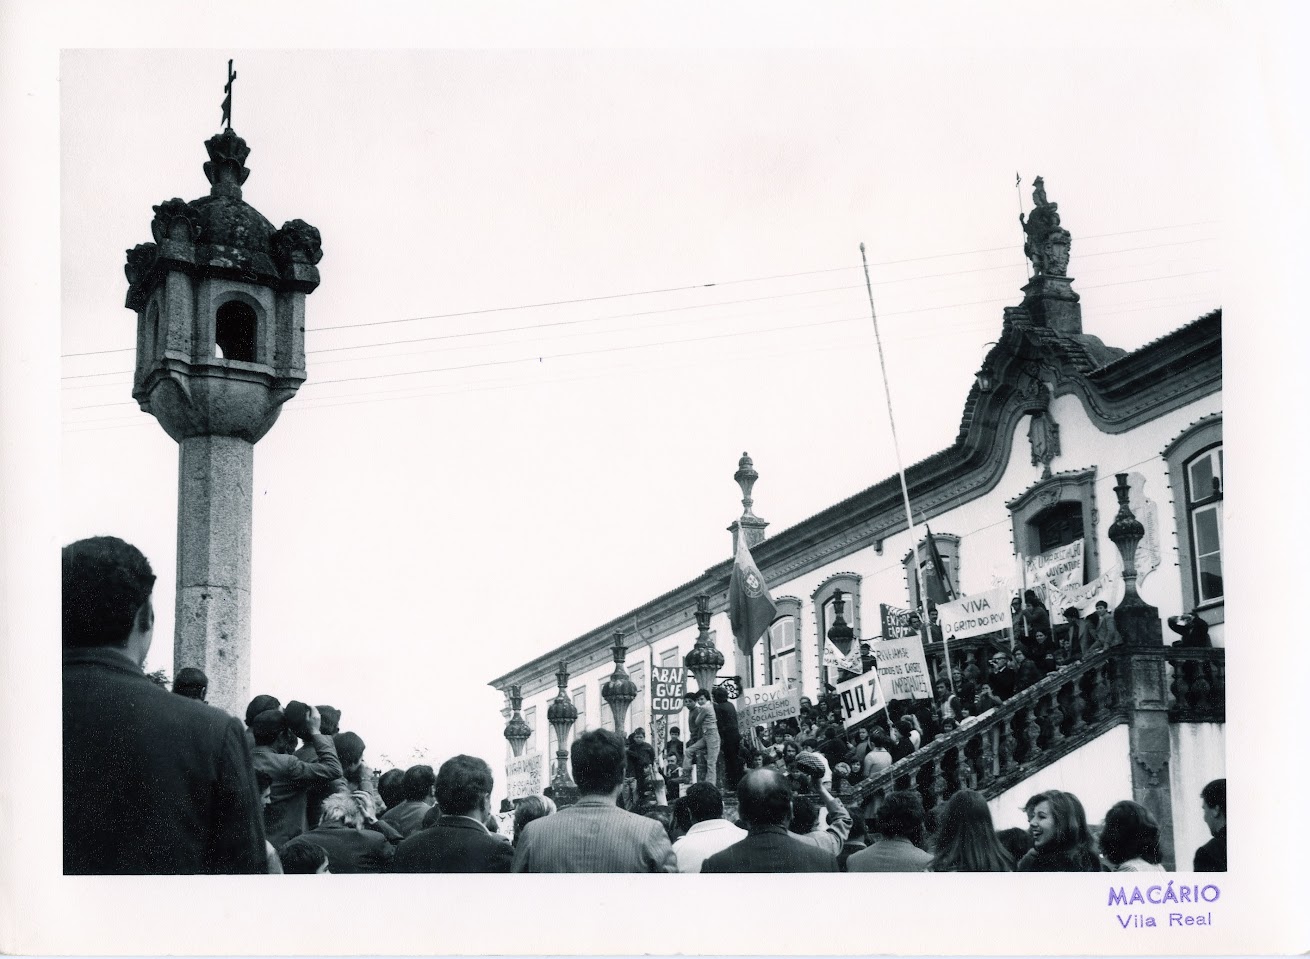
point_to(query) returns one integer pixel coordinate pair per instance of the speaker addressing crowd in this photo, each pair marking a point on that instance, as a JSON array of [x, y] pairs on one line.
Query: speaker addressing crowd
[[195, 791]]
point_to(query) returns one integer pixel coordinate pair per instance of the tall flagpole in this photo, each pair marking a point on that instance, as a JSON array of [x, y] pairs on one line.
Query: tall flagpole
[[925, 623]]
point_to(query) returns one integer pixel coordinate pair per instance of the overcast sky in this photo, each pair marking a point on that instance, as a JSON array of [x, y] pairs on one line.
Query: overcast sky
[[470, 477]]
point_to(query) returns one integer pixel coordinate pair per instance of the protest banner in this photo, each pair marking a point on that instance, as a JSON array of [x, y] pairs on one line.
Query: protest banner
[[860, 697], [974, 615], [897, 623], [765, 704], [902, 668], [668, 689], [1108, 587], [524, 776], [1052, 574], [852, 662]]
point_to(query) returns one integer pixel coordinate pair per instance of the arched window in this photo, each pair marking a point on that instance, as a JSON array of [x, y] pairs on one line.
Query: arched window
[[530, 717], [948, 547], [1055, 512], [825, 614], [235, 331], [776, 656], [1058, 526]]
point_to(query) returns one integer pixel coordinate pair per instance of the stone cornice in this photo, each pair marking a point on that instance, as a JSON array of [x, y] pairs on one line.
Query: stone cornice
[[1124, 392]]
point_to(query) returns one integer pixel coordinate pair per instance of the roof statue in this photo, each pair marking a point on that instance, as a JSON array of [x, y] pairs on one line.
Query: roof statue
[[1046, 243]]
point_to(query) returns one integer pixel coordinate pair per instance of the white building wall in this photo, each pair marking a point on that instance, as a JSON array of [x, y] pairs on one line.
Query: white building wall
[[1196, 756], [1097, 773]]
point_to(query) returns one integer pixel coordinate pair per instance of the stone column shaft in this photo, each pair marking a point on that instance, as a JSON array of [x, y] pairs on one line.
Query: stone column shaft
[[214, 501]]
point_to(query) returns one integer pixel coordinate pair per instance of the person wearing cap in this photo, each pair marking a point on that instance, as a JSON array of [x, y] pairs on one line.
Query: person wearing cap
[[191, 683], [285, 818], [154, 783]]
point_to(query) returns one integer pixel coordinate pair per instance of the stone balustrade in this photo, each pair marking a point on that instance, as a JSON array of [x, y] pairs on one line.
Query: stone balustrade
[[1197, 687]]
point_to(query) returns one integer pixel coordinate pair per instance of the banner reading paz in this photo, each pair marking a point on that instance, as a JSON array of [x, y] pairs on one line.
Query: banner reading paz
[[860, 697]]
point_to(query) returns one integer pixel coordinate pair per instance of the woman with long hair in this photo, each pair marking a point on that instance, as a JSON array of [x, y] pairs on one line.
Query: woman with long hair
[[966, 840], [1061, 839], [1130, 840]]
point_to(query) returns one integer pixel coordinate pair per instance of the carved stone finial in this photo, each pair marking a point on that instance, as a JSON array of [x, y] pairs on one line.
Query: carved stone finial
[[297, 242], [1126, 532], [139, 261], [746, 477], [840, 632], [174, 220], [226, 167], [704, 660], [1046, 243]]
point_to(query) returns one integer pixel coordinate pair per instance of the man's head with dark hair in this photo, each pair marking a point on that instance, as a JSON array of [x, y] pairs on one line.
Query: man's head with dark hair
[[418, 783], [764, 798], [464, 787], [191, 683], [859, 828], [261, 703], [391, 787], [297, 714], [704, 802], [1214, 805], [674, 732], [720, 694], [331, 720], [1072, 613], [303, 857], [804, 816], [350, 750], [268, 727], [901, 816], [106, 596], [598, 760]]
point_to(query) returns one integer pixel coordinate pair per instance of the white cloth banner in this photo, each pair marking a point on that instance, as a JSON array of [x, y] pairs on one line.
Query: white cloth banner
[[524, 776], [761, 705], [1108, 587], [974, 615], [852, 663], [1053, 574], [902, 668], [860, 698]]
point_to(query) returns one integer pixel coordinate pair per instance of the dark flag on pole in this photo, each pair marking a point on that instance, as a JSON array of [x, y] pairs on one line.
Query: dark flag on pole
[[227, 99], [750, 607], [944, 587]]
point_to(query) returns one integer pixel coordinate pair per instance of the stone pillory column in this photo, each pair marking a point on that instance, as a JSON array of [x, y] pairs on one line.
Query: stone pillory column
[[1144, 660], [220, 303]]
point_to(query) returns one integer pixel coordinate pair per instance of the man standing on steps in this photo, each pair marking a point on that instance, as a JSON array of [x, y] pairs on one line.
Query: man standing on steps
[[704, 746]]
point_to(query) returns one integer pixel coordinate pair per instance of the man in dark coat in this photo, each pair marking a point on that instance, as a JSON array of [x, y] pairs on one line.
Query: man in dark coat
[[729, 736], [1001, 677], [459, 841], [153, 783], [287, 814], [1213, 856], [764, 802]]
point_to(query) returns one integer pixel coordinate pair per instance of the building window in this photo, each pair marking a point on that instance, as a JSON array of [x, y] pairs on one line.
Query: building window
[[949, 548], [580, 704], [530, 717], [1205, 507], [1055, 512], [1196, 478], [775, 657], [606, 716], [848, 584]]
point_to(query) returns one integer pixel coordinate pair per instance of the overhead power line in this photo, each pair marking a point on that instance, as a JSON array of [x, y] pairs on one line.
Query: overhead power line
[[700, 286]]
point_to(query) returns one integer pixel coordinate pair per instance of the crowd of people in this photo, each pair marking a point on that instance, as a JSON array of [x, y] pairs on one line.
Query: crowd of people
[[182, 787]]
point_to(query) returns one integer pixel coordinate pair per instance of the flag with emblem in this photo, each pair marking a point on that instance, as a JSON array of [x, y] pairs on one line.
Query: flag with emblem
[[750, 607]]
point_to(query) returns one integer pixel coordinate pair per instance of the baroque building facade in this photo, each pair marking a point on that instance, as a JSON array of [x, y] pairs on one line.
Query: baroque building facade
[[1060, 435]]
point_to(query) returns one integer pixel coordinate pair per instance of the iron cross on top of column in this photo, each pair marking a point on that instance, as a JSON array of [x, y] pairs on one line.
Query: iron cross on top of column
[[227, 99]]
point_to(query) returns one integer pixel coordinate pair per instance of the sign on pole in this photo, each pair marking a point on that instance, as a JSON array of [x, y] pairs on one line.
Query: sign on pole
[[860, 697], [974, 615], [897, 622], [668, 690], [524, 777], [761, 705], [902, 668]]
